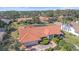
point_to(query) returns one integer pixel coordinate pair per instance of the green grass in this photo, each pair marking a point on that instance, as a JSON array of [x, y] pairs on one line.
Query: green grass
[[71, 38], [14, 25], [14, 34], [45, 41], [67, 43]]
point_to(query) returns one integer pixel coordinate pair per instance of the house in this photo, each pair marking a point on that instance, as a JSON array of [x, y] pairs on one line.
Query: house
[[31, 35], [6, 21], [72, 27], [23, 19], [47, 19], [43, 19], [60, 18], [2, 34]]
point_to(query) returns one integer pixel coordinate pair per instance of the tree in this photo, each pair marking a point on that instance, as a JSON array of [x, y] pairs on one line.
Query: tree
[[11, 14], [10, 44]]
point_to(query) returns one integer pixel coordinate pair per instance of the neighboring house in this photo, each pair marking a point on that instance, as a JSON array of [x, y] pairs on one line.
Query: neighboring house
[[31, 35], [2, 34], [23, 19], [60, 18], [43, 19], [6, 21], [73, 28], [47, 19]]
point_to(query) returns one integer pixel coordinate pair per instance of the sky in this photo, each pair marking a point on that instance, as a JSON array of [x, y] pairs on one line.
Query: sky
[[34, 8]]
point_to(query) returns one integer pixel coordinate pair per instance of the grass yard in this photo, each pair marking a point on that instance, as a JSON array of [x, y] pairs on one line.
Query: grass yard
[[45, 41], [67, 43], [16, 25], [71, 38], [14, 34]]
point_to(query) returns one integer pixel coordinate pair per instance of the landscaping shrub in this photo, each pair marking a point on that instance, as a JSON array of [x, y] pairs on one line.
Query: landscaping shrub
[[61, 43], [56, 40], [44, 41]]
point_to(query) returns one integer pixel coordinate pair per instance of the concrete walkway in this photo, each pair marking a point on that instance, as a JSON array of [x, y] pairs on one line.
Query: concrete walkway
[[44, 47]]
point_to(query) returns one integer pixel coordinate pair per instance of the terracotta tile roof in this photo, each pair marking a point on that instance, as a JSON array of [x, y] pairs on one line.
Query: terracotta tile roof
[[42, 19], [23, 19], [32, 33]]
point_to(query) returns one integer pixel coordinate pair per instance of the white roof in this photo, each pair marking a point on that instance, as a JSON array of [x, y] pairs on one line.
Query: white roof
[[7, 21], [2, 33]]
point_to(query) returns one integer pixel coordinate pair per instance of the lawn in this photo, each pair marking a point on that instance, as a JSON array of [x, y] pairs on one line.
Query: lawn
[[14, 30], [67, 43], [14, 34], [15, 25], [45, 41], [71, 38]]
